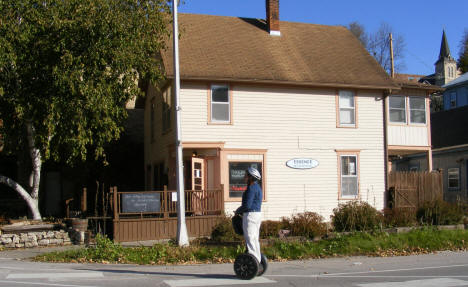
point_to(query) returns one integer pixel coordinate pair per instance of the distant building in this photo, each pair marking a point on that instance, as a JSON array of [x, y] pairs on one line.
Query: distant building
[[456, 93], [445, 67]]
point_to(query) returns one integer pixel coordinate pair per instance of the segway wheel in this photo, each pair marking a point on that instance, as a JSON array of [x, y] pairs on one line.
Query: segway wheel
[[263, 266], [246, 266]]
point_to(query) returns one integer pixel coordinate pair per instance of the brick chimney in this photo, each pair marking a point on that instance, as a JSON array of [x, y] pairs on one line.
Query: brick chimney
[[272, 17]]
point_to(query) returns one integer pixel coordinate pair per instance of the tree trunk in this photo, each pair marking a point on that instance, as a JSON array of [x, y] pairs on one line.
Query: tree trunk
[[36, 161], [32, 202]]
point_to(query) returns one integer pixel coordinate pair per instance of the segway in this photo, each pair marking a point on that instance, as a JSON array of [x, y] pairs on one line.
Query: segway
[[246, 265]]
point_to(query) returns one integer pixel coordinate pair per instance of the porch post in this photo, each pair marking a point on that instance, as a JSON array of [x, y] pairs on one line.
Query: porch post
[[429, 160]]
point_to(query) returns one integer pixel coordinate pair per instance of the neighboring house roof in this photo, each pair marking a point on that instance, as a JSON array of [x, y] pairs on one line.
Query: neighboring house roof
[[429, 79], [240, 49], [415, 81], [450, 127], [463, 79]]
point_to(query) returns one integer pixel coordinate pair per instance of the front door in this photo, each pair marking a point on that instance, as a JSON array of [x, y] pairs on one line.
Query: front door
[[198, 185], [198, 173]]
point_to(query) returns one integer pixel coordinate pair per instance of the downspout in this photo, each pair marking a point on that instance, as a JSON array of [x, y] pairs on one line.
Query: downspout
[[386, 171]]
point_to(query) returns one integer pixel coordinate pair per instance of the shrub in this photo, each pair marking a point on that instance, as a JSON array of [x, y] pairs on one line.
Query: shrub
[[270, 228], [308, 224], [224, 232], [356, 216], [400, 217], [439, 212]]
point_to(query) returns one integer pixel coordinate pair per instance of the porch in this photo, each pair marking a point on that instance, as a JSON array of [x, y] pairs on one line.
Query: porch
[[152, 215]]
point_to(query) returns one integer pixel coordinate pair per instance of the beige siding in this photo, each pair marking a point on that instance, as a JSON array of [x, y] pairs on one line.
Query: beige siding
[[294, 123], [408, 135]]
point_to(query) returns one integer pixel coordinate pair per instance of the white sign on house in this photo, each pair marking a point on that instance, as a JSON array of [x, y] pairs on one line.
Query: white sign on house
[[302, 163]]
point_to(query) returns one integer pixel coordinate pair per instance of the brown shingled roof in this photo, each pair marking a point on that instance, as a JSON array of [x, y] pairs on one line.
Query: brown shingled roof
[[413, 81], [240, 49]]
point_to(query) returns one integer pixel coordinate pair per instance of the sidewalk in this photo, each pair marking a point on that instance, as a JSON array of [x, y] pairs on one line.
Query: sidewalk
[[25, 253]]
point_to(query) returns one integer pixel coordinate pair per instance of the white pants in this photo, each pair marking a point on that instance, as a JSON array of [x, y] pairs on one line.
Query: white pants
[[251, 226]]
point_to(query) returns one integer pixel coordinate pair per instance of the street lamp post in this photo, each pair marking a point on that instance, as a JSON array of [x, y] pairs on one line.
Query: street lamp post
[[182, 237]]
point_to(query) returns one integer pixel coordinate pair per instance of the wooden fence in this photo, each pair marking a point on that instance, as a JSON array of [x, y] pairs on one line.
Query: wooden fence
[[158, 220], [411, 189]]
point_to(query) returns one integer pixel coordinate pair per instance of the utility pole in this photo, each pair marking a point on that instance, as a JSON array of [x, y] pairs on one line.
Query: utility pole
[[182, 237], [391, 56]]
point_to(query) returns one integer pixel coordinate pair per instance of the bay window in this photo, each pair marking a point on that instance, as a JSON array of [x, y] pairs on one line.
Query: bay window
[[417, 110], [397, 109]]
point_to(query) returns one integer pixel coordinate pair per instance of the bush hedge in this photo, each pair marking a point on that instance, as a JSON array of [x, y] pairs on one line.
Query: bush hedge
[[307, 224], [356, 216], [400, 217], [439, 212], [224, 232]]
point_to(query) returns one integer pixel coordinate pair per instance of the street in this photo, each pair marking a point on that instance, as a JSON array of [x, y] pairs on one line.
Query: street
[[441, 269]]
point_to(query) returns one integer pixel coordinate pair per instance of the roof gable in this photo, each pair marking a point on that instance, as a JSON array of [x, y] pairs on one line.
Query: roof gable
[[241, 49]]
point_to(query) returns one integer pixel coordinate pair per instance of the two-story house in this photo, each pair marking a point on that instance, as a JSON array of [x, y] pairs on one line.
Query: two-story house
[[306, 104]]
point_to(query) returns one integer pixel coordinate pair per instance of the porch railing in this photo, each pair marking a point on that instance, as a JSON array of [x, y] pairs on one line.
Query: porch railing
[[163, 204]]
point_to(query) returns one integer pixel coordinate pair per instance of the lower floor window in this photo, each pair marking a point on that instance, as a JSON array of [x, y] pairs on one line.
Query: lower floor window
[[349, 185], [453, 178], [237, 184]]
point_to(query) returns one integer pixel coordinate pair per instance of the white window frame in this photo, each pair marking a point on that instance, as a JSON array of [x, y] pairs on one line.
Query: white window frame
[[453, 173], [228, 103], [411, 109], [341, 176], [390, 109], [342, 108]]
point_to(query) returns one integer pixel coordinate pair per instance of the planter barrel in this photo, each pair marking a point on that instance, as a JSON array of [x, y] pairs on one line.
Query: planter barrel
[[79, 224]]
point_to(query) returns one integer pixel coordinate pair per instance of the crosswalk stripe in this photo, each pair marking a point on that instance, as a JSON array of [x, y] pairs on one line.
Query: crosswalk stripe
[[446, 282], [54, 275], [216, 282], [10, 283]]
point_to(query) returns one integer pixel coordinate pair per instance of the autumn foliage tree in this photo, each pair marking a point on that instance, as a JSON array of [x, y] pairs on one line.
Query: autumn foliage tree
[[67, 69], [463, 55]]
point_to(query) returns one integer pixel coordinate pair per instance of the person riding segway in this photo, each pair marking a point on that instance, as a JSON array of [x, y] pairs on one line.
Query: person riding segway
[[246, 221]]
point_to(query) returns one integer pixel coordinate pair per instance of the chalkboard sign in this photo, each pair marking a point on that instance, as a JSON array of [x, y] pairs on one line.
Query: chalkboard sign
[[141, 202], [237, 185]]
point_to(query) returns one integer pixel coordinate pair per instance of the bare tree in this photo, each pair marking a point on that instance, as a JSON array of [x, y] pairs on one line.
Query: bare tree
[[378, 45]]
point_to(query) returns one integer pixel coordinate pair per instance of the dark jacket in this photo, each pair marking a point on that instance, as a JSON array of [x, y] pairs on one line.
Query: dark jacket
[[252, 199]]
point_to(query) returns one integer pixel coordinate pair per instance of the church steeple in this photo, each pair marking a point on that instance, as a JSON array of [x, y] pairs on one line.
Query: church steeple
[[446, 66], [444, 48]]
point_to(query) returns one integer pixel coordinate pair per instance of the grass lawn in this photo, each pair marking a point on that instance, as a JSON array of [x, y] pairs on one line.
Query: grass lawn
[[368, 244]]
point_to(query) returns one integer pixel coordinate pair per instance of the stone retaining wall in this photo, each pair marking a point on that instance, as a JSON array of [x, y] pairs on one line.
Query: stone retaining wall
[[41, 239]]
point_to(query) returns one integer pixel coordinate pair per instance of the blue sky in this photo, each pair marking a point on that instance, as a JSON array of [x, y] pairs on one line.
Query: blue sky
[[420, 22]]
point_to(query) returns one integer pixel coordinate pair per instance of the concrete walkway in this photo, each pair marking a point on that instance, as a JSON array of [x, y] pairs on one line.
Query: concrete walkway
[[25, 253]]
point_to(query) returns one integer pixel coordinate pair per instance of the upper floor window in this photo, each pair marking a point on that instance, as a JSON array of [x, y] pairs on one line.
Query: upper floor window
[[417, 107], [166, 109], [347, 107], [453, 178], [397, 109], [220, 104]]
